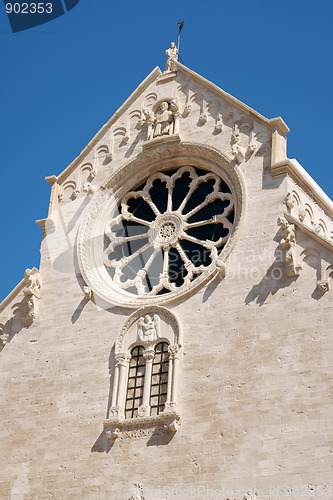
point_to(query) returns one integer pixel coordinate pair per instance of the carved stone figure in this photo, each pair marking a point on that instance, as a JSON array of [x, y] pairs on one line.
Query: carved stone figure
[[174, 107], [4, 339], [87, 292], [137, 494], [32, 293], [172, 54], [239, 151], [149, 119], [290, 201], [163, 120], [288, 242], [148, 328], [32, 282]]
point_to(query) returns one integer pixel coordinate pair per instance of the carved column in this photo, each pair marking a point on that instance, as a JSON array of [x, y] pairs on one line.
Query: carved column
[[144, 409], [170, 369], [115, 385], [174, 356], [122, 365]]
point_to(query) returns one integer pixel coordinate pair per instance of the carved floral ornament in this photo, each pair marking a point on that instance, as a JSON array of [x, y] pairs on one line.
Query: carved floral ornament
[[164, 232]]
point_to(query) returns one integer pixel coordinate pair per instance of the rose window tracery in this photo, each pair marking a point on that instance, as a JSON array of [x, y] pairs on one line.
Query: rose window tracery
[[168, 231]]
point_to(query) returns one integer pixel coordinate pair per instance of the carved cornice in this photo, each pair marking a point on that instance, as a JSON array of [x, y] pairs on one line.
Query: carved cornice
[[297, 173], [271, 123], [328, 243], [120, 111], [309, 217]]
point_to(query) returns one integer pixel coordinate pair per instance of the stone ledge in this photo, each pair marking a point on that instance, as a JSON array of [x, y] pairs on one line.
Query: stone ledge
[[160, 140], [113, 427]]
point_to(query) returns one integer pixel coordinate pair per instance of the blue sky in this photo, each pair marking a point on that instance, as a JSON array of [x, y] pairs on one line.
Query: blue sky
[[63, 80]]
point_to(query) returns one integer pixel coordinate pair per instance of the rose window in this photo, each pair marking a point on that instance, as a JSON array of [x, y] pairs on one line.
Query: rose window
[[168, 231]]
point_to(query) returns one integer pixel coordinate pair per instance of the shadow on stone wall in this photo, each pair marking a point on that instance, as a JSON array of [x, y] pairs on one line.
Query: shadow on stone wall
[[14, 324]]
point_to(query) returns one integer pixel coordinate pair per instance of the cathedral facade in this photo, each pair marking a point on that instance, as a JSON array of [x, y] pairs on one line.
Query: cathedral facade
[[176, 339]]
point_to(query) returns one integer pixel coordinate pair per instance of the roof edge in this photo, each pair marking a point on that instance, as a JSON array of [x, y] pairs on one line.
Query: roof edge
[[272, 122], [7, 300], [297, 172], [141, 88]]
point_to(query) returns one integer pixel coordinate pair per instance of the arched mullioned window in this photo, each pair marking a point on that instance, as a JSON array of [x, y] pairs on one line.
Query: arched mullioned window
[[147, 384], [146, 372]]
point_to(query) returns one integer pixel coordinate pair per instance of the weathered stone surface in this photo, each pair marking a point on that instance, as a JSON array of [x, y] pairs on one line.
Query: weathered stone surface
[[255, 360]]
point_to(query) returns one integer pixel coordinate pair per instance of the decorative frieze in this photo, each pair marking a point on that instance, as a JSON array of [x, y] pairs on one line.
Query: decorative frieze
[[242, 147], [309, 216]]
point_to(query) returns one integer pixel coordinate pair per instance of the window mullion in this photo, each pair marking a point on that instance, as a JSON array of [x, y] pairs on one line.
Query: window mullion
[[174, 356], [144, 409], [121, 375]]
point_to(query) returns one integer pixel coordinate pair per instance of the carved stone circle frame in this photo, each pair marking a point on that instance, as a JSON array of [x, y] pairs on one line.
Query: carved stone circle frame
[[161, 158]]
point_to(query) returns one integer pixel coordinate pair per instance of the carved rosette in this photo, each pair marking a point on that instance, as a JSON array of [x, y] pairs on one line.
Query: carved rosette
[[154, 248], [112, 257]]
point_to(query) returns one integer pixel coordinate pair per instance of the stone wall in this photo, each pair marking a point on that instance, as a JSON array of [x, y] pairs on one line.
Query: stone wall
[[255, 381]]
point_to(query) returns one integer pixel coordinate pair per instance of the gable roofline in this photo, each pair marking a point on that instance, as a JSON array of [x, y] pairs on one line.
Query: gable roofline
[[286, 166], [11, 296], [141, 88], [274, 123]]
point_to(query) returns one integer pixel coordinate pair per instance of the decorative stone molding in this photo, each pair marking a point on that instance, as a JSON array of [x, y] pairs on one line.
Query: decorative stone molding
[[154, 324], [288, 242], [323, 283], [87, 292], [168, 420], [323, 271], [4, 337], [309, 217], [148, 328], [32, 293], [97, 218], [242, 149], [166, 232]]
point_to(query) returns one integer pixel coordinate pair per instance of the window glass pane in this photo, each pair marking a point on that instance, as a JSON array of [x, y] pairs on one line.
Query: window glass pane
[[135, 383], [159, 378]]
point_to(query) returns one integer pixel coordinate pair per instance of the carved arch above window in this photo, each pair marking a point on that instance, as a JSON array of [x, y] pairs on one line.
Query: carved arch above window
[[146, 373]]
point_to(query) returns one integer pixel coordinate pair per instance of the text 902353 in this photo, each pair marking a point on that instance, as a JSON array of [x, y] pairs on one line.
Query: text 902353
[[29, 8]]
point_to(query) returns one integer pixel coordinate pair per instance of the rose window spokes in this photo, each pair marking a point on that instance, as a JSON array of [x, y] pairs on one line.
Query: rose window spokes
[[168, 231]]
